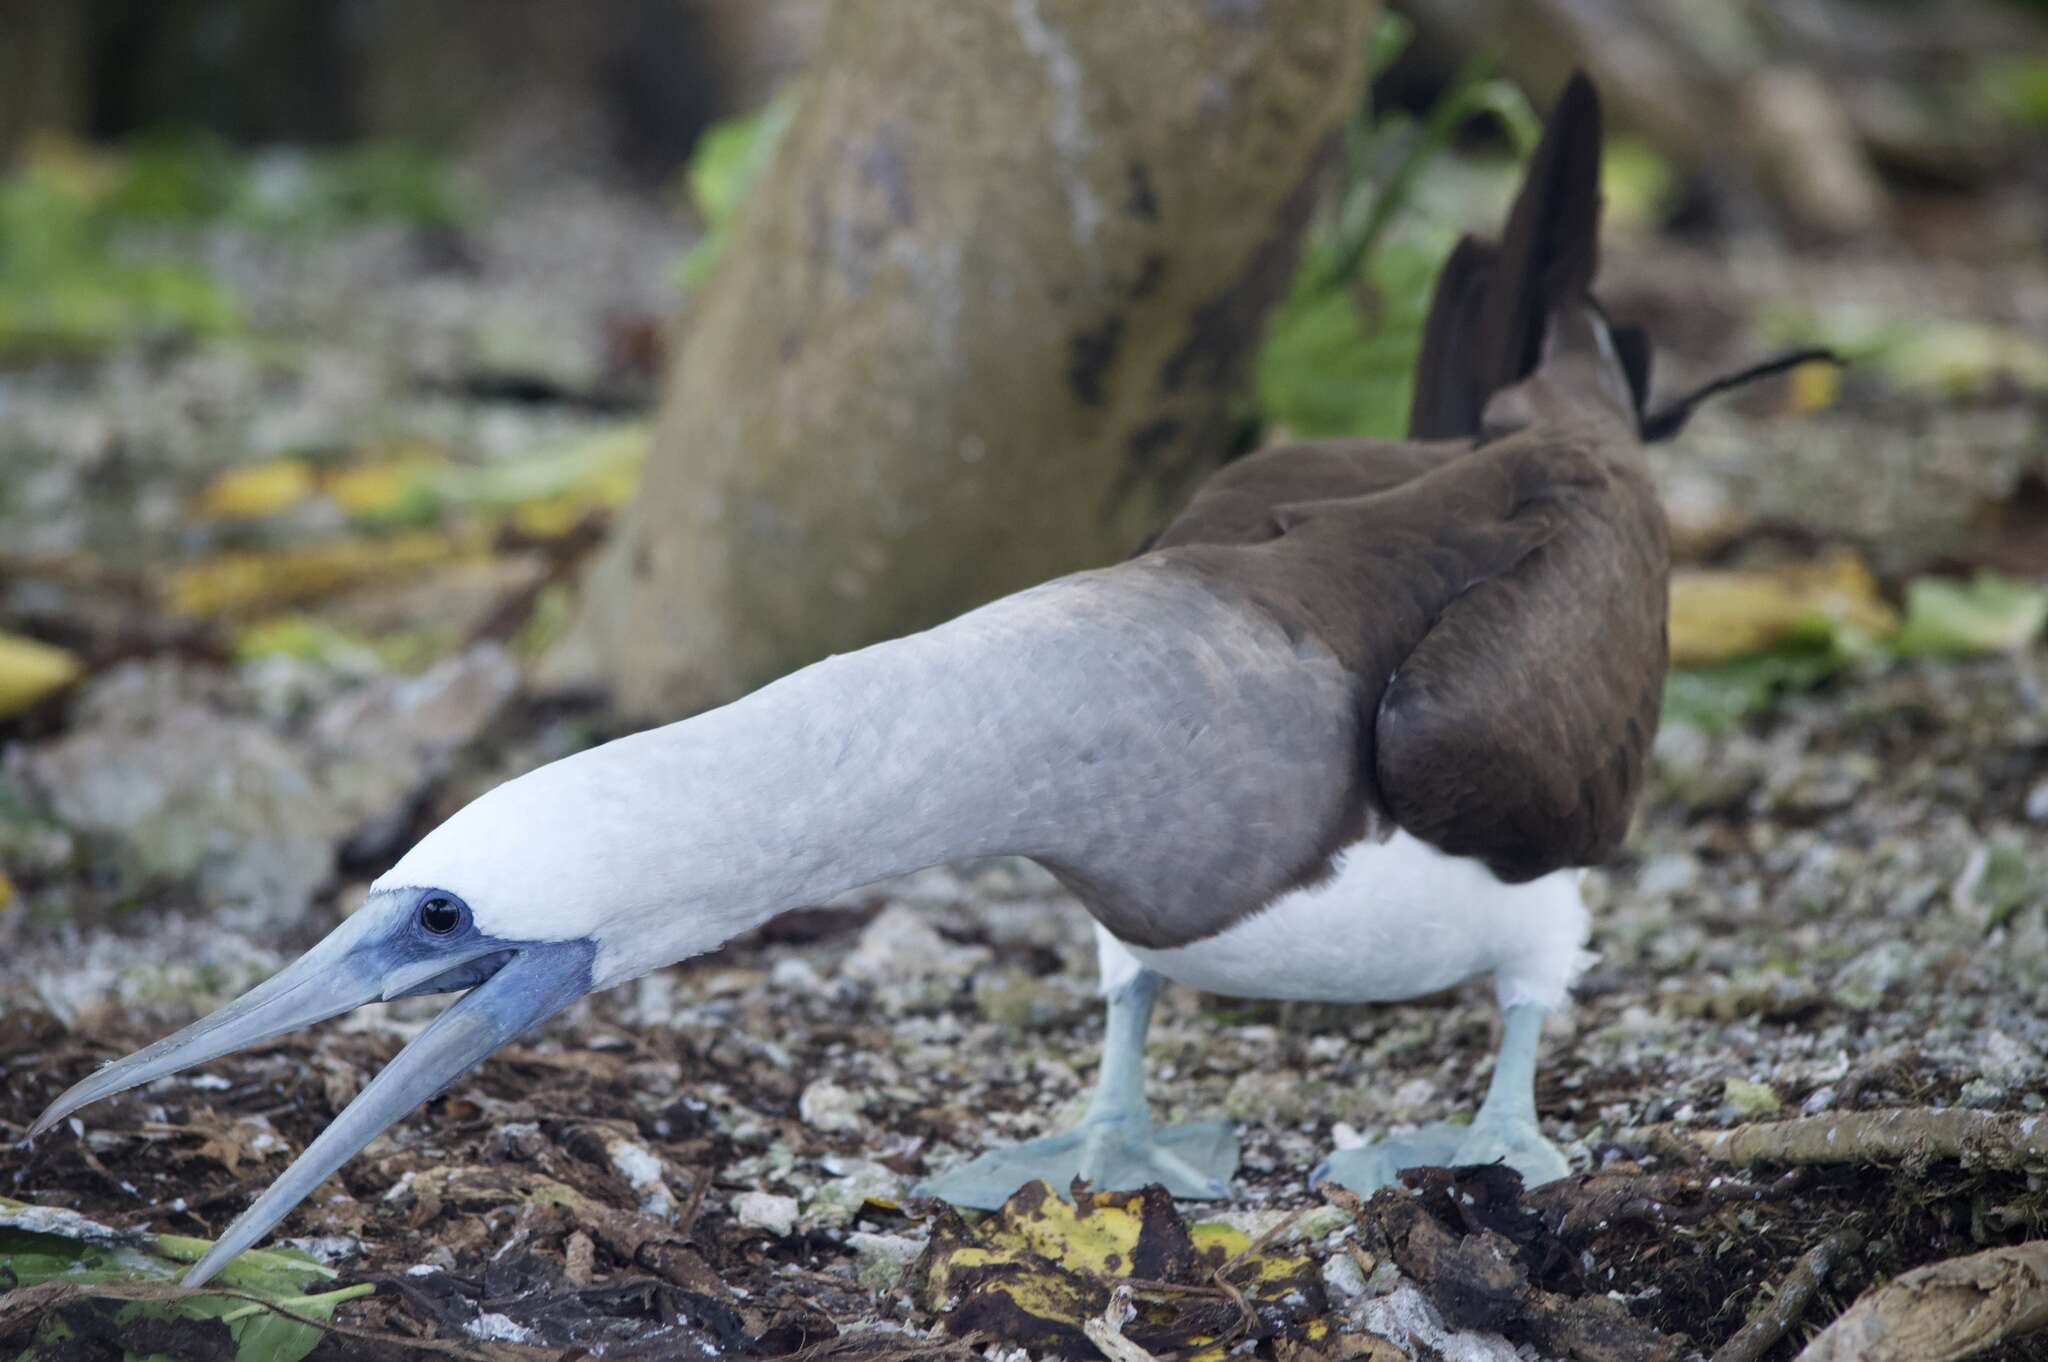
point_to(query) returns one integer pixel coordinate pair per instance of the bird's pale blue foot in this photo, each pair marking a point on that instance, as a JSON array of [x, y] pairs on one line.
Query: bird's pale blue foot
[[1115, 1147], [1372, 1166], [1194, 1162], [1504, 1131]]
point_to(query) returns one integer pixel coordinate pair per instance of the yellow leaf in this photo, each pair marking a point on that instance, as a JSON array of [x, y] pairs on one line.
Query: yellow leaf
[[1100, 1243], [1812, 387], [7, 894], [377, 488], [30, 670], [1719, 614], [259, 490], [1038, 1271], [549, 519], [80, 171], [244, 582]]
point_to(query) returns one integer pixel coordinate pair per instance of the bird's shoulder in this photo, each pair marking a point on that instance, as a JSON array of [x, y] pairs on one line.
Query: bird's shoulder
[[1499, 608]]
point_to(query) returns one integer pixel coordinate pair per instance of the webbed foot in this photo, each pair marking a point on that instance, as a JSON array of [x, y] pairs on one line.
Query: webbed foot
[[1370, 1167], [1518, 1143], [1193, 1162], [1514, 1141]]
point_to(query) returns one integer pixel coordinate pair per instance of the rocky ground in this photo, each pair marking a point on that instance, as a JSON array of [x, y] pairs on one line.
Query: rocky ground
[[1832, 904]]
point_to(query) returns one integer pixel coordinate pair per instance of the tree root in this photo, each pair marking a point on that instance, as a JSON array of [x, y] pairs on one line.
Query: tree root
[[1908, 1135], [1756, 1338], [1944, 1311]]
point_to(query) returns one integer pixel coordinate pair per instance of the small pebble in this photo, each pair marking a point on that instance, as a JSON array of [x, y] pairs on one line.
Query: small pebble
[[765, 1211], [827, 1106]]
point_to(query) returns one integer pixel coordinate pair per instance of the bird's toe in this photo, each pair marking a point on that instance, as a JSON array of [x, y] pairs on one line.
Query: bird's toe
[[1370, 1167], [1519, 1144]]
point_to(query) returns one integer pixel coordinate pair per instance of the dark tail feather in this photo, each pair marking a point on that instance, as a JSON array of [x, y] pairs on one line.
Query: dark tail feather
[[1448, 398], [1670, 418], [1551, 247], [1493, 304], [1487, 317]]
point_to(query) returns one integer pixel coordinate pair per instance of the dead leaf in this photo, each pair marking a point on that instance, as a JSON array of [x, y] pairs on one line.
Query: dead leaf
[[255, 491], [31, 670], [1720, 614], [245, 582], [1038, 1272], [1812, 387]]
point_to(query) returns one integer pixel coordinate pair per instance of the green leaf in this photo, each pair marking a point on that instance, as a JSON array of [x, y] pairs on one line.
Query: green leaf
[[730, 157], [1391, 37], [1339, 362], [1987, 614], [45, 1244], [62, 287], [270, 1337], [1716, 698], [2017, 92], [1637, 185]]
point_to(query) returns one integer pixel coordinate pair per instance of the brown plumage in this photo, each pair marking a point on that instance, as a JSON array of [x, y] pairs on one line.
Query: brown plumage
[[1496, 587]]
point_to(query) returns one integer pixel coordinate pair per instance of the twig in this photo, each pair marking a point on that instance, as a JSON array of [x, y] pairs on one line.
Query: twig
[[1246, 1316], [1215, 1287], [1944, 1311], [686, 1219], [1911, 1135], [1801, 1285], [1259, 1245], [1106, 1330]]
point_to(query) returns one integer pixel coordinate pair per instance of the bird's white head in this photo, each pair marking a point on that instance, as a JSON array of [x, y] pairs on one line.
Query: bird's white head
[[613, 847], [571, 878]]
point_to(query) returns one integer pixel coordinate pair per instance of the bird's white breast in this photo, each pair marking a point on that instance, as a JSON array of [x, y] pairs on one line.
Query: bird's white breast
[[1398, 919]]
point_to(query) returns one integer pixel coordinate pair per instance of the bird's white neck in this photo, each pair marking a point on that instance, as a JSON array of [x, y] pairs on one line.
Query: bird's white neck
[[861, 767]]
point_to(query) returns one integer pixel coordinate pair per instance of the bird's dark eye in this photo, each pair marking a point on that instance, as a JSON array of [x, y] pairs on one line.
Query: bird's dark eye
[[440, 914]]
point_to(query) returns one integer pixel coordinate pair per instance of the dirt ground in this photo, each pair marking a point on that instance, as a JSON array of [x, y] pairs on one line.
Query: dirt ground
[[1837, 904]]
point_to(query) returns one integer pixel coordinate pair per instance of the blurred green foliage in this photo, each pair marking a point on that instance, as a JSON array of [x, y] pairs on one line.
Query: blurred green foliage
[[1986, 614], [1341, 360], [1715, 698], [177, 179], [63, 288], [1943, 617], [1947, 357], [2018, 92], [729, 158], [1340, 350], [67, 285]]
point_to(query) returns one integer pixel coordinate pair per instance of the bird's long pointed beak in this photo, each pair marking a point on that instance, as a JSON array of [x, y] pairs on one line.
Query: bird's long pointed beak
[[332, 978], [351, 967]]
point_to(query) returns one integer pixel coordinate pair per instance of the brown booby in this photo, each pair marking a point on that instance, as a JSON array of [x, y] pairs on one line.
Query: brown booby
[[1346, 731]]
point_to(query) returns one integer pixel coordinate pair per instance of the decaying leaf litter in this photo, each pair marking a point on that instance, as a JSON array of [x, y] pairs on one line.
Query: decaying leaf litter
[[299, 580]]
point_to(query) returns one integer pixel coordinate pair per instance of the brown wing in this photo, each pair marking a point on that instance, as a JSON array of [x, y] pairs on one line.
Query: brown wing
[[1518, 729], [1367, 578]]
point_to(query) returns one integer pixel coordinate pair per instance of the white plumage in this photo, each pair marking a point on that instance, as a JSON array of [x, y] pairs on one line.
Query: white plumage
[[1397, 920]]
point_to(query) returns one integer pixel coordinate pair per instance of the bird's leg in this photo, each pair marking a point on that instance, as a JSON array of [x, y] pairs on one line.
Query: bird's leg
[[1503, 1130], [1115, 1147]]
